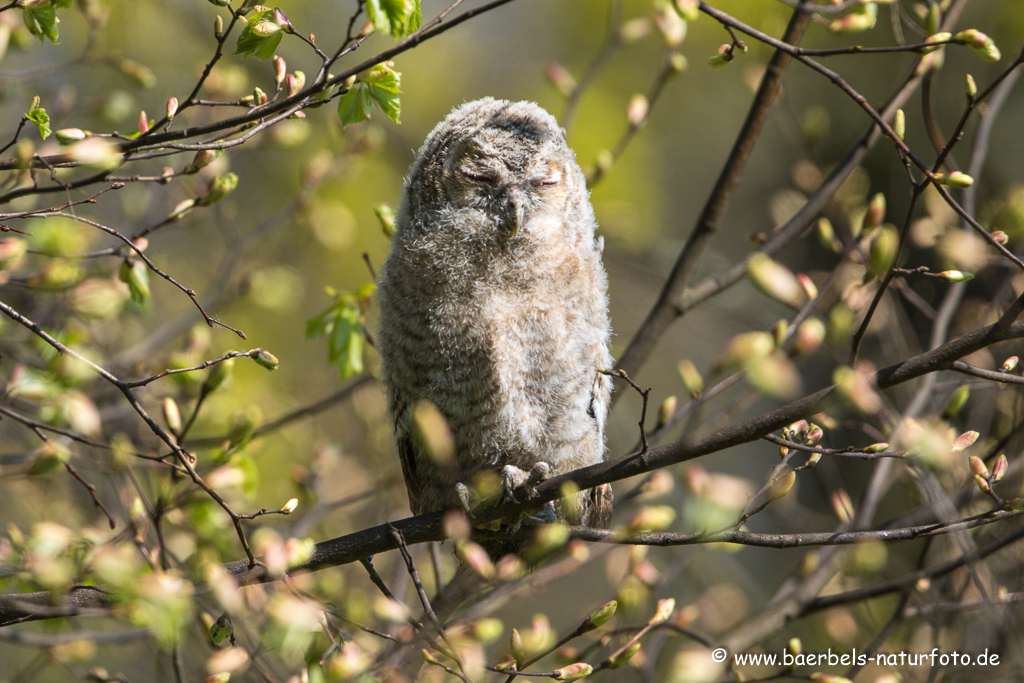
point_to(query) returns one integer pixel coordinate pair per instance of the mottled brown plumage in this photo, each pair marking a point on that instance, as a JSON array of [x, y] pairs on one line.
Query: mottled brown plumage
[[494, 306]]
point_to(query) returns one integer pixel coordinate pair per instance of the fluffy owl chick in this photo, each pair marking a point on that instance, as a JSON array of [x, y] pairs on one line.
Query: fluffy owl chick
[[494, 306]]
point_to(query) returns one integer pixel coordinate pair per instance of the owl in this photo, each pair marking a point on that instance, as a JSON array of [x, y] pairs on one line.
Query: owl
[[494, 309]]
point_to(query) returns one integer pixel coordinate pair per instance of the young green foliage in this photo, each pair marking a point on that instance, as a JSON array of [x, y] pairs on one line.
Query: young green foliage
[[397, 18], [380, 85], [342, 324], [40, 118], [260, 36], [41, 18]]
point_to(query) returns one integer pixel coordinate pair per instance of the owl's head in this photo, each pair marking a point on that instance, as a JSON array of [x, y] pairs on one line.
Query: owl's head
[[503, 163]]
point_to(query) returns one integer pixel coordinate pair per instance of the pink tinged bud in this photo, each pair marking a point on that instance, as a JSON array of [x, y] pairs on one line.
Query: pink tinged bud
[[295, 83], [573, 672], [282, 20], [943, 37], [1000, 237], [861, 18], [973, 37], [875, 213], [561, 78], [143, 122], [722, 58], [810, 289], [1010, 363], [796, 428], [172, 107], [814, 435], [842, 505], [978, 466], [999, 469], [477, 559], [663, 611], [879, 447], [456, 525], [809, 336], [775, 280], [982, 484], [280, 69], [965, 441], [636, 110]]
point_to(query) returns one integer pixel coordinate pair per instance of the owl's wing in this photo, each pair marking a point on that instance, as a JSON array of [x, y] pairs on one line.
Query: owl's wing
[[407, 454]]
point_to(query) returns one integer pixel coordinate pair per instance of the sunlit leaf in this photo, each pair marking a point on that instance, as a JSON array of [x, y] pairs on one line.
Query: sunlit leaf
[[257, 38], [398, 18]]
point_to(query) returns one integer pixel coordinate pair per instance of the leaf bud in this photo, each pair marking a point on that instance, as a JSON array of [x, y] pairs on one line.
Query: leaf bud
[[965, 441], [636, 110], [955, 276], [971, 88], [601, 615], [280, 69], [954, 179], [281, 19], [172, 415], [1009, 364], [172, 108], [67, 136], [573, 672], [899, 124], [942, 37], [999, 469], [623, 657], [219, 187], [265, 358], [289, 507], [666, 411]]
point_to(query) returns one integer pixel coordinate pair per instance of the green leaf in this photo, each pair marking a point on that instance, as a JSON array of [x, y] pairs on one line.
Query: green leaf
[[63, 4], [345, 347], [42, 20], [398, 18], [342, 324], [39, 117], [385, 94], [258, 43], [354, 106], [380, 86]]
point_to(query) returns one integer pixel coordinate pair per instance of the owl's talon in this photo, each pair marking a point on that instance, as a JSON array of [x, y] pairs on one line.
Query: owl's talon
[[468, 498], [514, 479]]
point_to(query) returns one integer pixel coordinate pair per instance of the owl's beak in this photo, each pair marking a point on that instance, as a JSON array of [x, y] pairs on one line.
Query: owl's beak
[[515, 211]]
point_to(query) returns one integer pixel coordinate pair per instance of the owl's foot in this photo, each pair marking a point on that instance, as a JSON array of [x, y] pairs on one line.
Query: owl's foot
[[514, 480]]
